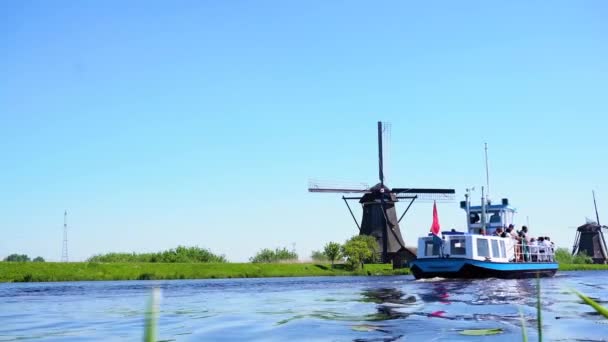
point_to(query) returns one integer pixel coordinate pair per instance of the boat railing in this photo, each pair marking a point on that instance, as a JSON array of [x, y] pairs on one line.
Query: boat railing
[[532, 253]]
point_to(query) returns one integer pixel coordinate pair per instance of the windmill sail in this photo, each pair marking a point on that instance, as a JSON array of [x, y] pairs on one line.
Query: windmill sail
[[379, 204]]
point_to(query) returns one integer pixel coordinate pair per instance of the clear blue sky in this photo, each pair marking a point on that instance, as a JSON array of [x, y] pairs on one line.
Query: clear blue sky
[[199, 123]]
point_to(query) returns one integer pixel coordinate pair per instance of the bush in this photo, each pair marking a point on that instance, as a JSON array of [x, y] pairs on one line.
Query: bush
[[360, 249], [38, 259], [373, 246], [582, 258], [180, 254], [269, 256], [17, 258], [563, 256]]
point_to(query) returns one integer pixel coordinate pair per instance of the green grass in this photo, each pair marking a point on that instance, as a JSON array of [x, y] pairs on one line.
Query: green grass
[[76, 271], [79, 271], [582, 267]]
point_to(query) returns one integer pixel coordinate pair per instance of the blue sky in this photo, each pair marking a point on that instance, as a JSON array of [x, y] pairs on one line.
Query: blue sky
[[199, 123]]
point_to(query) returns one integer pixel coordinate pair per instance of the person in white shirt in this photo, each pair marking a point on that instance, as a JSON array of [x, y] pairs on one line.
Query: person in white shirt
[[524, 240], [516, 242], [548, 249], [542, 249], [533, 249]]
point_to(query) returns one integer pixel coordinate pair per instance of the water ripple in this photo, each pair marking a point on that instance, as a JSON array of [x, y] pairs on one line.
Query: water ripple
[[305, 309]]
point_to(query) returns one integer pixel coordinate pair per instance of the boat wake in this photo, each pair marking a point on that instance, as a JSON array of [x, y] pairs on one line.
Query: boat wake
[[430, 280]]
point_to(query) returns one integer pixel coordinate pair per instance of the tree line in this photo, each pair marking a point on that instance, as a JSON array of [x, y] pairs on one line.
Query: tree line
[[180, 254], [22, 258], [355, 252]]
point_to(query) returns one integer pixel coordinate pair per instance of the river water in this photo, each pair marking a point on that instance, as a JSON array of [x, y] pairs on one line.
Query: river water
[[305, 309]]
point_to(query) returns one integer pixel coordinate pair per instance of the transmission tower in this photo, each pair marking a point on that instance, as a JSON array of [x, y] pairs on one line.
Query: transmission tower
[[64, 250]]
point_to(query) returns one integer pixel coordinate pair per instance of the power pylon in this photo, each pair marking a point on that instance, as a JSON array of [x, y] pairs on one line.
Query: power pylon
[[64, 250]]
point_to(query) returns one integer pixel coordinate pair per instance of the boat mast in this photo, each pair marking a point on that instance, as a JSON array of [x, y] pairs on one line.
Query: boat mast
[[487, 172], [483, 213], [467, 197]]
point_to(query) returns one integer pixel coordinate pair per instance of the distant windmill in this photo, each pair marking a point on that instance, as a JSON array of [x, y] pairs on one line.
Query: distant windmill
[[379, 214], [590, 239]]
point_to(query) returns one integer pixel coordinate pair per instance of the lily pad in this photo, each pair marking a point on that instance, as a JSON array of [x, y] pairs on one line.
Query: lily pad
[[481, 332], [364, 328]]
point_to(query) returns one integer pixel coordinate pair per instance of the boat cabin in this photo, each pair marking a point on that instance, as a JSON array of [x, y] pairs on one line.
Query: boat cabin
[[470, 246], [492, 216]]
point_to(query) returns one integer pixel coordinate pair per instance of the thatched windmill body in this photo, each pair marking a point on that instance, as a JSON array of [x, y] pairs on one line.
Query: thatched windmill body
[[379, 217], [590, 239]]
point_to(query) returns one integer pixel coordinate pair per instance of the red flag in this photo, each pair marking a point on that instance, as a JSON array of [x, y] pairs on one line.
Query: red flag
[[435, 226]]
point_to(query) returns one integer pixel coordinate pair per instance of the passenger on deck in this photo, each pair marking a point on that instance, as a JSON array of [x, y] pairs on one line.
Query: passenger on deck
[[542, 249], [504, 233], [516, 242], [523, 234], [548, 249], [533, 250], [498, 231]]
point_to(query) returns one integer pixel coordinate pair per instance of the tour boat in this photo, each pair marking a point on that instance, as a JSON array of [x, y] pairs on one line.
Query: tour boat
[[479, 252]]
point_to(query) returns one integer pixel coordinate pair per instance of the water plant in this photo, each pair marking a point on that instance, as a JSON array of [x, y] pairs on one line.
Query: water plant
[[524, 334], [539, 318], [481, 332], [595, 305], [603, 311], [151, 320]]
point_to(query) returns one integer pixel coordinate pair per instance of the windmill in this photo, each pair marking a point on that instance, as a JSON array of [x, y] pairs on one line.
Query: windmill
[[590, 239], [379, 212]]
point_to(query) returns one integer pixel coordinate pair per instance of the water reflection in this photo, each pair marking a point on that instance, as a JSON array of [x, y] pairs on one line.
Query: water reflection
[[477, 301], [387, 295], [390, 301], [442, 292]]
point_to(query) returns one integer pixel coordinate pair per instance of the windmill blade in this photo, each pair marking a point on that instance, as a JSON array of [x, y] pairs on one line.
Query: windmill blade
[[425, 194], [386, 150], [423, 191], [597, 216], [337, 187], [428, 198], [380, 154]]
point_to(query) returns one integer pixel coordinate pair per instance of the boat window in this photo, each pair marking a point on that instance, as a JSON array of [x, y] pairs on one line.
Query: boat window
[[483, 249], [431, 248], [503, 252], [495, 251], [474, 218], [458, 247], [495, 217]]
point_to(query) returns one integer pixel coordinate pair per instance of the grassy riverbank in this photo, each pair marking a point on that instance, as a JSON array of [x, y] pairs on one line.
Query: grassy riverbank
[[79, 271], [582, 267]]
